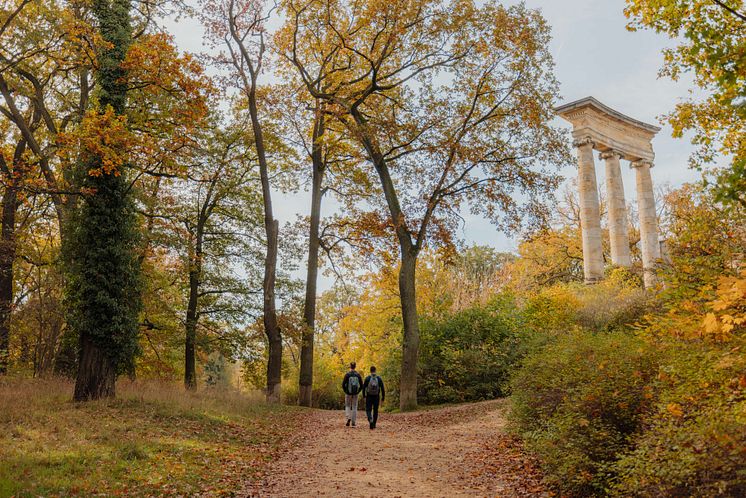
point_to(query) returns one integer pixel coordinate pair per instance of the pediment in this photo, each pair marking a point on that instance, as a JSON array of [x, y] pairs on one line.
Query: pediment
[[610, 129]]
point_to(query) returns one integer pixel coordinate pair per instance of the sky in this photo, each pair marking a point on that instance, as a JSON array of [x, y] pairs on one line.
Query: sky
[[595, 56]]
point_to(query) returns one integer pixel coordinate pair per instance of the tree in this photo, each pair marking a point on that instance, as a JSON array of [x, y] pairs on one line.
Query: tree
[[318, 164], [44, 49], [217, 219], [239, 25], [47, 50], [451, 104], [11, 172], [711, 43], [104, 284], [334, 169]]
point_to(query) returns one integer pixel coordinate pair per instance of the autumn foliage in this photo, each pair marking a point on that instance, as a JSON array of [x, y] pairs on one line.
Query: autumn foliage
[[142, 190]]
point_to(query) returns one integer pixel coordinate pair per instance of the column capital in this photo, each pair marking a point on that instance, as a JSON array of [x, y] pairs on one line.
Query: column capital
[[640, 163], [609, 154], [587, 140]]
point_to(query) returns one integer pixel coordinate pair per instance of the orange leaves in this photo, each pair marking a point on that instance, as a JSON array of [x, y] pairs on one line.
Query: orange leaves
[[101, 135], [675, 410], [154, 66], [169, 100]]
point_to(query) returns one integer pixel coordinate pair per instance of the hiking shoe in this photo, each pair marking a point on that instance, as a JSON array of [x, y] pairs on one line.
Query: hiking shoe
[[372, 426], [348, 422], [354, 426]]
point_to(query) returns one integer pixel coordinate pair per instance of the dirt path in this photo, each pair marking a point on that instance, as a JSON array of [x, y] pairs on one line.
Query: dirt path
[[450, 452]]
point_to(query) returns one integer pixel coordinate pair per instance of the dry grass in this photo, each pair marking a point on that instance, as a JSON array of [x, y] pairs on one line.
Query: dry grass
[[154, 439]]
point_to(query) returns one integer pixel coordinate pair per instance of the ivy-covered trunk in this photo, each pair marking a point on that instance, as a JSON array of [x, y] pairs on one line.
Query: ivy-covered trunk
[[103, 288]]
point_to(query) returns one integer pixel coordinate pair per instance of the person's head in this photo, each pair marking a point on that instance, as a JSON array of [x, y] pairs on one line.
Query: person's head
[[352, 366], [372, 370]]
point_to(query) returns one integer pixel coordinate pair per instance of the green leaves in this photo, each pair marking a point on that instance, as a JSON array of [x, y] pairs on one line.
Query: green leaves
[[711, 37]]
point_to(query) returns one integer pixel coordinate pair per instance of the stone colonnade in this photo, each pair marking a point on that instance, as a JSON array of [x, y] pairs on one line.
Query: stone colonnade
[[617, 137]]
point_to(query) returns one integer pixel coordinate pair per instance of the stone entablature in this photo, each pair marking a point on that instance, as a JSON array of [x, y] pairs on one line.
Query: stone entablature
[[617, 137], [609, 129]]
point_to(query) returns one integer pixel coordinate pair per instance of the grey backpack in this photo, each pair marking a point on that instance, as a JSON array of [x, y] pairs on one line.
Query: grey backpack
[[353, 384], [373, 386]]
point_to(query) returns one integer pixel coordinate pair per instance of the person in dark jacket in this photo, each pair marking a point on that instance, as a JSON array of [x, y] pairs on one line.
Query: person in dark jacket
[[374, 394], [352, 385]]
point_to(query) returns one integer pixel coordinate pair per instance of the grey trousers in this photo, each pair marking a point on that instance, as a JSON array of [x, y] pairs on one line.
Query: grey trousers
[[351, 407]]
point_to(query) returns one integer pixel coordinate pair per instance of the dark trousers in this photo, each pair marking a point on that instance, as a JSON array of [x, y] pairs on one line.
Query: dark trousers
[[371, 408]]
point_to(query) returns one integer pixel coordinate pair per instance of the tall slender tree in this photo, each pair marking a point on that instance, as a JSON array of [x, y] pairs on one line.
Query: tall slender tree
[[104, 283], [239, 26], [10, 174], [217, 220], [318, 166]]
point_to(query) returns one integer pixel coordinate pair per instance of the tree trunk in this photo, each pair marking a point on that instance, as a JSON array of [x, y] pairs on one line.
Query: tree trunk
[[305, 397], [195, 275], [190, 371], [271, 228], [7, 257], [411, 342], [409, 252], [96, 374], [106, 295], [271, 327]]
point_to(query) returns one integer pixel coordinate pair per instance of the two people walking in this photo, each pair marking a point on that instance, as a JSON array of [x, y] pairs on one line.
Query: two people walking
[[372, 390]]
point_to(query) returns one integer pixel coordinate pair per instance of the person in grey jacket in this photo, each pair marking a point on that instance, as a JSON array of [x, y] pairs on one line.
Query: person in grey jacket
[[351, 385]]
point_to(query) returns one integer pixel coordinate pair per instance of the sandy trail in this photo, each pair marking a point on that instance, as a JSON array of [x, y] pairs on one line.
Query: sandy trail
[[450, 452]]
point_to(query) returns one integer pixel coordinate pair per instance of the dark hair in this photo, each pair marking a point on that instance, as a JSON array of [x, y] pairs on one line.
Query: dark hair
[[372, 369], [353, 365]]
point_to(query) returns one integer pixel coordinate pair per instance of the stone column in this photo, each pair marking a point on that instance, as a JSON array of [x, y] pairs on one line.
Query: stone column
[[590, 212], [648, 221], [618, 234]]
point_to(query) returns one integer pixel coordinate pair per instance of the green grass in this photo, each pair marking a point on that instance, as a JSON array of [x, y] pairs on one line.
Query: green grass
[[154, 439]]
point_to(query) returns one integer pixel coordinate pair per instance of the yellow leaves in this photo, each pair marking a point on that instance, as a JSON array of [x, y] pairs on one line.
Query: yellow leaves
[[710, 323], [675, 410], [728, 315]]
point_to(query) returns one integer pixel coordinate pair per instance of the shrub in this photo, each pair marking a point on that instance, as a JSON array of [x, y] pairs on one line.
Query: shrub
[[553, 309], [578, 400], [610, 305], [468, 356], [695, 442]]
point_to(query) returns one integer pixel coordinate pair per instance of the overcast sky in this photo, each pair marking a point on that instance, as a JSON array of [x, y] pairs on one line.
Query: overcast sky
[[595, 56]]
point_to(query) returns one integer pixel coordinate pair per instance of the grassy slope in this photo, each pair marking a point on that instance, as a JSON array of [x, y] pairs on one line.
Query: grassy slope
[[152, 439]]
